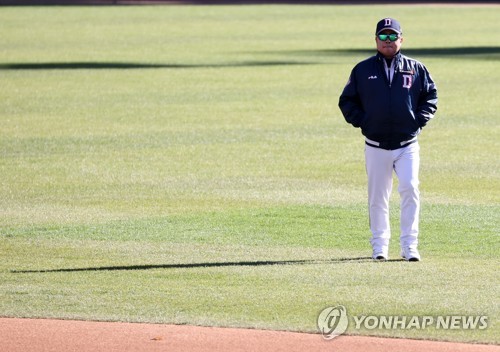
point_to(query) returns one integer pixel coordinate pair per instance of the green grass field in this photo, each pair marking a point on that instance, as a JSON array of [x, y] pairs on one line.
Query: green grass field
[[189, 165]]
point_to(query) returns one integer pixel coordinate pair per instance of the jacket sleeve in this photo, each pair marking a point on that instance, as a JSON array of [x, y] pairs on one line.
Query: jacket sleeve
[[350, 102], [427, 103]]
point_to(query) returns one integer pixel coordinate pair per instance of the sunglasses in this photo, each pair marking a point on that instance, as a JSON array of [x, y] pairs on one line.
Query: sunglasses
[[392, 37]]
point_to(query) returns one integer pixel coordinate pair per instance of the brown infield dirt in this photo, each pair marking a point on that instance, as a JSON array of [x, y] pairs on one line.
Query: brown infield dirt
[[34, 335]]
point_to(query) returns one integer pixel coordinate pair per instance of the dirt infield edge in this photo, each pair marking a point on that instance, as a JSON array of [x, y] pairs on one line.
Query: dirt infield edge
[[38, 335]]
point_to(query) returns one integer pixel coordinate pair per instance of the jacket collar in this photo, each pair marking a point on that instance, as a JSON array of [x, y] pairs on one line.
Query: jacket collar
[[397, 57]]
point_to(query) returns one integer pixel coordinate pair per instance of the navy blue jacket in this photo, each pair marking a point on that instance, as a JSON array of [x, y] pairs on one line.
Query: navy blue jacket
[[389, 113]]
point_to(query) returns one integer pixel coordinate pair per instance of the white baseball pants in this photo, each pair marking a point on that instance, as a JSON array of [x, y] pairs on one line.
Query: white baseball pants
[[380, 164]]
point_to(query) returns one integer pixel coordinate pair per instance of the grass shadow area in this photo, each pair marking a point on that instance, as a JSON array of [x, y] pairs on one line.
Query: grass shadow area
[[479, 52], [138, 65], [198, 265]]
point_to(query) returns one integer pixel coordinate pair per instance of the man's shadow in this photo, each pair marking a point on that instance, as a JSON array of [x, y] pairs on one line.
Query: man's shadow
[[207, 265]]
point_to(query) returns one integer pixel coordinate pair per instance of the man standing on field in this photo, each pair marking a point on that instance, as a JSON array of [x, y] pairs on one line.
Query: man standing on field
[[391, 97]]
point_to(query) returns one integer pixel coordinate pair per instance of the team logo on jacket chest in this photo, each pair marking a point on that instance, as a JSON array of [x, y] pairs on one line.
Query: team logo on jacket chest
[[407, 81]]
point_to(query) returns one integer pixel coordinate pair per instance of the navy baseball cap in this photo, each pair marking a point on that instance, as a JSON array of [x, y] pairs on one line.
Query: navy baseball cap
[[388, 23]]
